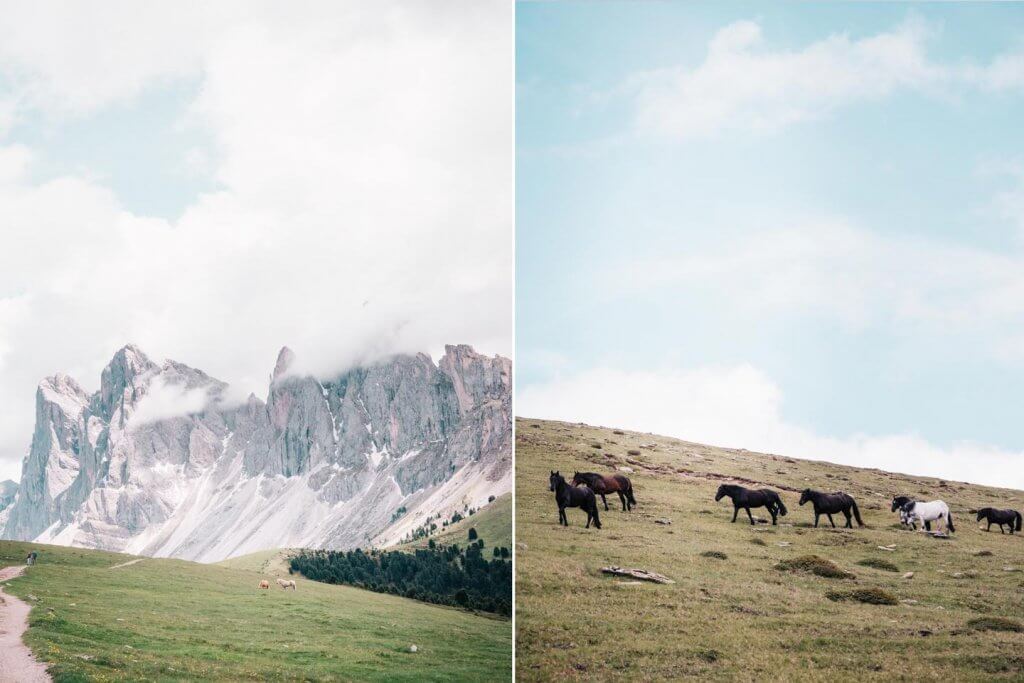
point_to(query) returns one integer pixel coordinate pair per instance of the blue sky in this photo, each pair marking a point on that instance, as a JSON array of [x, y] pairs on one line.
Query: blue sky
[[795, 227]]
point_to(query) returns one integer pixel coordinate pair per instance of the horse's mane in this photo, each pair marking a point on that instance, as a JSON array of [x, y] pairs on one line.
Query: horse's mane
[[589, 477]]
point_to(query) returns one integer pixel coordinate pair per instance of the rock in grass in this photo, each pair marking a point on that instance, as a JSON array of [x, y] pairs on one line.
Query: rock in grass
[[813, 564], [641, 574], [633, 452], [868, 596], [596, 445], [413, 648], [714, 554], [983, 553], [878, 563], [996, 624], [664, 520], [908, 575]]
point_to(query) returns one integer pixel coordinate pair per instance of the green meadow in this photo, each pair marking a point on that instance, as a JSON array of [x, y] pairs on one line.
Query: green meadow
[[161, 619], [789, 602]]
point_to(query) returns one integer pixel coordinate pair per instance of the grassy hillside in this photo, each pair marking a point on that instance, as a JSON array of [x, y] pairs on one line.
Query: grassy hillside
[[741, 617], [493, 524], [171, 619], [273, 562]]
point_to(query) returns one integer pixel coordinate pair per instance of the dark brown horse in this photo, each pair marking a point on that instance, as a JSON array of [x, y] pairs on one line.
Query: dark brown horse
[[602, 484], [573, 497], [829, 503]]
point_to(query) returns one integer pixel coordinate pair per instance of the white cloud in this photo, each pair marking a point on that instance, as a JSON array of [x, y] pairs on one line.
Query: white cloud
[[829, 268], [364, 159], [743, 84], [164, 401], [740, 407]]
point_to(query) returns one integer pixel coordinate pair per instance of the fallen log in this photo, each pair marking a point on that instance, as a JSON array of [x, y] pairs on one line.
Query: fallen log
[[641, 574]]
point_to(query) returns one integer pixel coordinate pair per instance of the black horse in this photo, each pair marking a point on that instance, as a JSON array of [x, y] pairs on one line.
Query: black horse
[[829, 503], [603, 484], [898, 502], [1012, 518], [574, 497], [751, 498]]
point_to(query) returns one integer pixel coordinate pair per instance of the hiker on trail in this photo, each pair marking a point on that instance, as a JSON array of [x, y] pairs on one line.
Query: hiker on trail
[[31, 559]]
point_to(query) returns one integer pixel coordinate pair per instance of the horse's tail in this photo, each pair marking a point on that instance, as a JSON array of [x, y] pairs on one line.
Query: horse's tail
[[1019, 520], [949, 520], [856, 512], [778, 501]]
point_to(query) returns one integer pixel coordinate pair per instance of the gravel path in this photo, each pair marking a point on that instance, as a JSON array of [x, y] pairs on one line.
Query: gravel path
[[17, 665]]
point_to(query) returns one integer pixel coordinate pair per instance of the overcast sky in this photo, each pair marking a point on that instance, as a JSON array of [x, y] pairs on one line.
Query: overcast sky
[[214, 183], [794, 228]]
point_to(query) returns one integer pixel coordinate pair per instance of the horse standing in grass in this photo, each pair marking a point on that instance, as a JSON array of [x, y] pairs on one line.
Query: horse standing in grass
[[897, 504], [829, 503], [916, 512], [573, 497], [286, 584], [1011, 518], [752, 498], [602, 484]]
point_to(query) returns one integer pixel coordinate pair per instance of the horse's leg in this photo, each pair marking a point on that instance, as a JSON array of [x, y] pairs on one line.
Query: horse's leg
[[816, 516], [735, 511], [849, 518], [775, 514], [562, 517], [590, 516], [622, 499], [830, 520], [605, 502], [989, 527], [1001, 528], [751, 517]]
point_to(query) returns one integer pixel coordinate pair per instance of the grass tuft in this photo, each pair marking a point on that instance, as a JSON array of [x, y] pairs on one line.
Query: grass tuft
[[879, 563], [996, 624], [868, 596], [816, 565]]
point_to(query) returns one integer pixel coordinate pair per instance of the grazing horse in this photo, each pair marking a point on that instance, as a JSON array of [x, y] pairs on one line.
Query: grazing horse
[[829, 503], [752, 498], [602, 484], [1012, 518], [573, 497], [286, 584], [915, 511], [897, 504], [265, 584]]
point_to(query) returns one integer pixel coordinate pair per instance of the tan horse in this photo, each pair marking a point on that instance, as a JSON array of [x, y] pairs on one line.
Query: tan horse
[[265, 584], [286, 584]]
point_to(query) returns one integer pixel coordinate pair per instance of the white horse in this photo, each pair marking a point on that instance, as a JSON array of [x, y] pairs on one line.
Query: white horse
[[286, 584], [914, 513]]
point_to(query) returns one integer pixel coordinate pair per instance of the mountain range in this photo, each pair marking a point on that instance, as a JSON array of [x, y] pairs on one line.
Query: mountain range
[[159, 462]]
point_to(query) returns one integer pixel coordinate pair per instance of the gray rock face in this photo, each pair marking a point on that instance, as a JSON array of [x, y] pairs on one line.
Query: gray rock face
[[156, 462]]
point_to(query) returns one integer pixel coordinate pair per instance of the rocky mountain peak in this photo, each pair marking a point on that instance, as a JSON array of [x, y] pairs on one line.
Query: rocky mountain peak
[[118, 380], [326, 461], [285, 358]]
